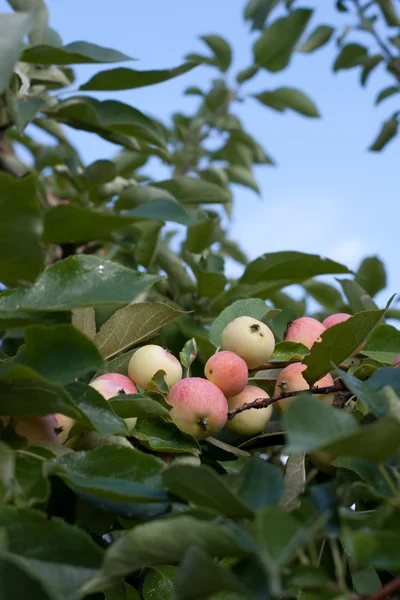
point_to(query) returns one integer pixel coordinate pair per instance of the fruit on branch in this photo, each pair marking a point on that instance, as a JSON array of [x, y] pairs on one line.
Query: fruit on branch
[[65, 424], [304, 330], [198, 407], [252, 421], [335, 319], [147, 360], [250, 339], [228, 371], [322, 460], [396, 361], [114, 384], [291, 380], [36, 429]]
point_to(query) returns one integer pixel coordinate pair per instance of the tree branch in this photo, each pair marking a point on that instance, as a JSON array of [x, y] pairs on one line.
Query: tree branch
[[265, 402], [386, 590]]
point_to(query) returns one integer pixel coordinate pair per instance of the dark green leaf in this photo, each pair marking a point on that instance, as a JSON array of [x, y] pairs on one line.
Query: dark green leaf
[[371, 275], [75, 53], [16, 582], [189, 190], [84, 320], [318, 38], [203, 234], [367, 471], [243, 176], [365, 581], [284, 97], [27, 108], [247, 74], [262, 484], [383, 344], [389, 12], [137, 405], [350, 56], [159, 583], [328, 296], [88, 114], [339, 342], [79, 281], [357, 297], [128, 79], [387, 93], [295, 480], [258, 11], [289, 351], [162, 210], [133, 324], [33, 486], [122, 592], [19, 219], [188, 355], [202, 486], [198, 576], [221, 50], [273, 50], [100, 171], [369, 63], [253, 307], [137, 195], [113, 478], [377, 392], [164, 436], [388, 131], [13, 29], [97, 409], [60, 354]]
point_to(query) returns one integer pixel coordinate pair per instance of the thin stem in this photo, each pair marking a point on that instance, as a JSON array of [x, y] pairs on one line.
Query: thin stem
[[387, 590], [31, 454], [338, 564], [265, 402]]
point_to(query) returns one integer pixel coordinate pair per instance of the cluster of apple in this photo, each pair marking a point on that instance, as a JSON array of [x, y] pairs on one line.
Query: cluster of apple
[[200, 406]]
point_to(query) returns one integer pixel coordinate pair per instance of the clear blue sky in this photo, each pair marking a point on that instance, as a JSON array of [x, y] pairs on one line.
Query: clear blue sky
[[329, 195]]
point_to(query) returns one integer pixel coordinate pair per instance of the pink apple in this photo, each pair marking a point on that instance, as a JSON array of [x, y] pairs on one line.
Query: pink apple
[[114, 384], [198, 407], [335, 319], [291, 380], [304, 330], [228, 371]]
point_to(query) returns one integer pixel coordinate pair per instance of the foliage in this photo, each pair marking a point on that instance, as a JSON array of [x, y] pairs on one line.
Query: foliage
[[92, 268]]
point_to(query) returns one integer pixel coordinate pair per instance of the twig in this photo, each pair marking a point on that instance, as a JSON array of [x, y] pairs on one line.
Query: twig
[[265, 402], [386, 590]]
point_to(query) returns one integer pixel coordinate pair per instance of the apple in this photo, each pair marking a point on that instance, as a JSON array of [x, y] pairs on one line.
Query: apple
[[291, 380], [114, 384], [147, 360], [198, 406], [36, 429], [304, 330], [252, 421], [228, 371], [250, 339], [335, 319]]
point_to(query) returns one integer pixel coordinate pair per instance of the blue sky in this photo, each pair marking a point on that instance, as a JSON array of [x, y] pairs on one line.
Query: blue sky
[[328, 195]]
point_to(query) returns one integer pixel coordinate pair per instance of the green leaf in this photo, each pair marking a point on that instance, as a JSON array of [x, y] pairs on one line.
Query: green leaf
[[27, 108], [84, 320], [388, 132], [339, 342], [284, 97], [326, 295], [189, 190], [188, 355], [60, 354], [271, 272], [389, 12], [15, 580], [164, 436], [79, 281], [365, 581], [203, 487], [247, 74], [60, 556], [242, 176], [367, 471], [112, 478], [100, 171], [371, 275], [109, 116], [198, 576], [311, 424], [273, 50], [253, 307], [383, 344], [128, 79], [19, 219], [262, 484], [221, 50], [387, 93], [318, 38], [350, 56], [133, 324], [377, 392], [357, 297], [295, 481], [138, 405], [167, 540], [290, 351], [258, 11], [75, 53], [13, 28], [162, 210], [136, 195], [159, 583], [7, 467], [33, 485], [122, 592], [204, 233]]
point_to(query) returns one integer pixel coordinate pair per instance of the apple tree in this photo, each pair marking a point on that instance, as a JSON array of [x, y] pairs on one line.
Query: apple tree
[[168, 431]]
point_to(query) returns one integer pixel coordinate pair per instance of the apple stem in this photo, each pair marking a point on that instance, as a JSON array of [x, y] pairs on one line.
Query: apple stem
[[203, 424]]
